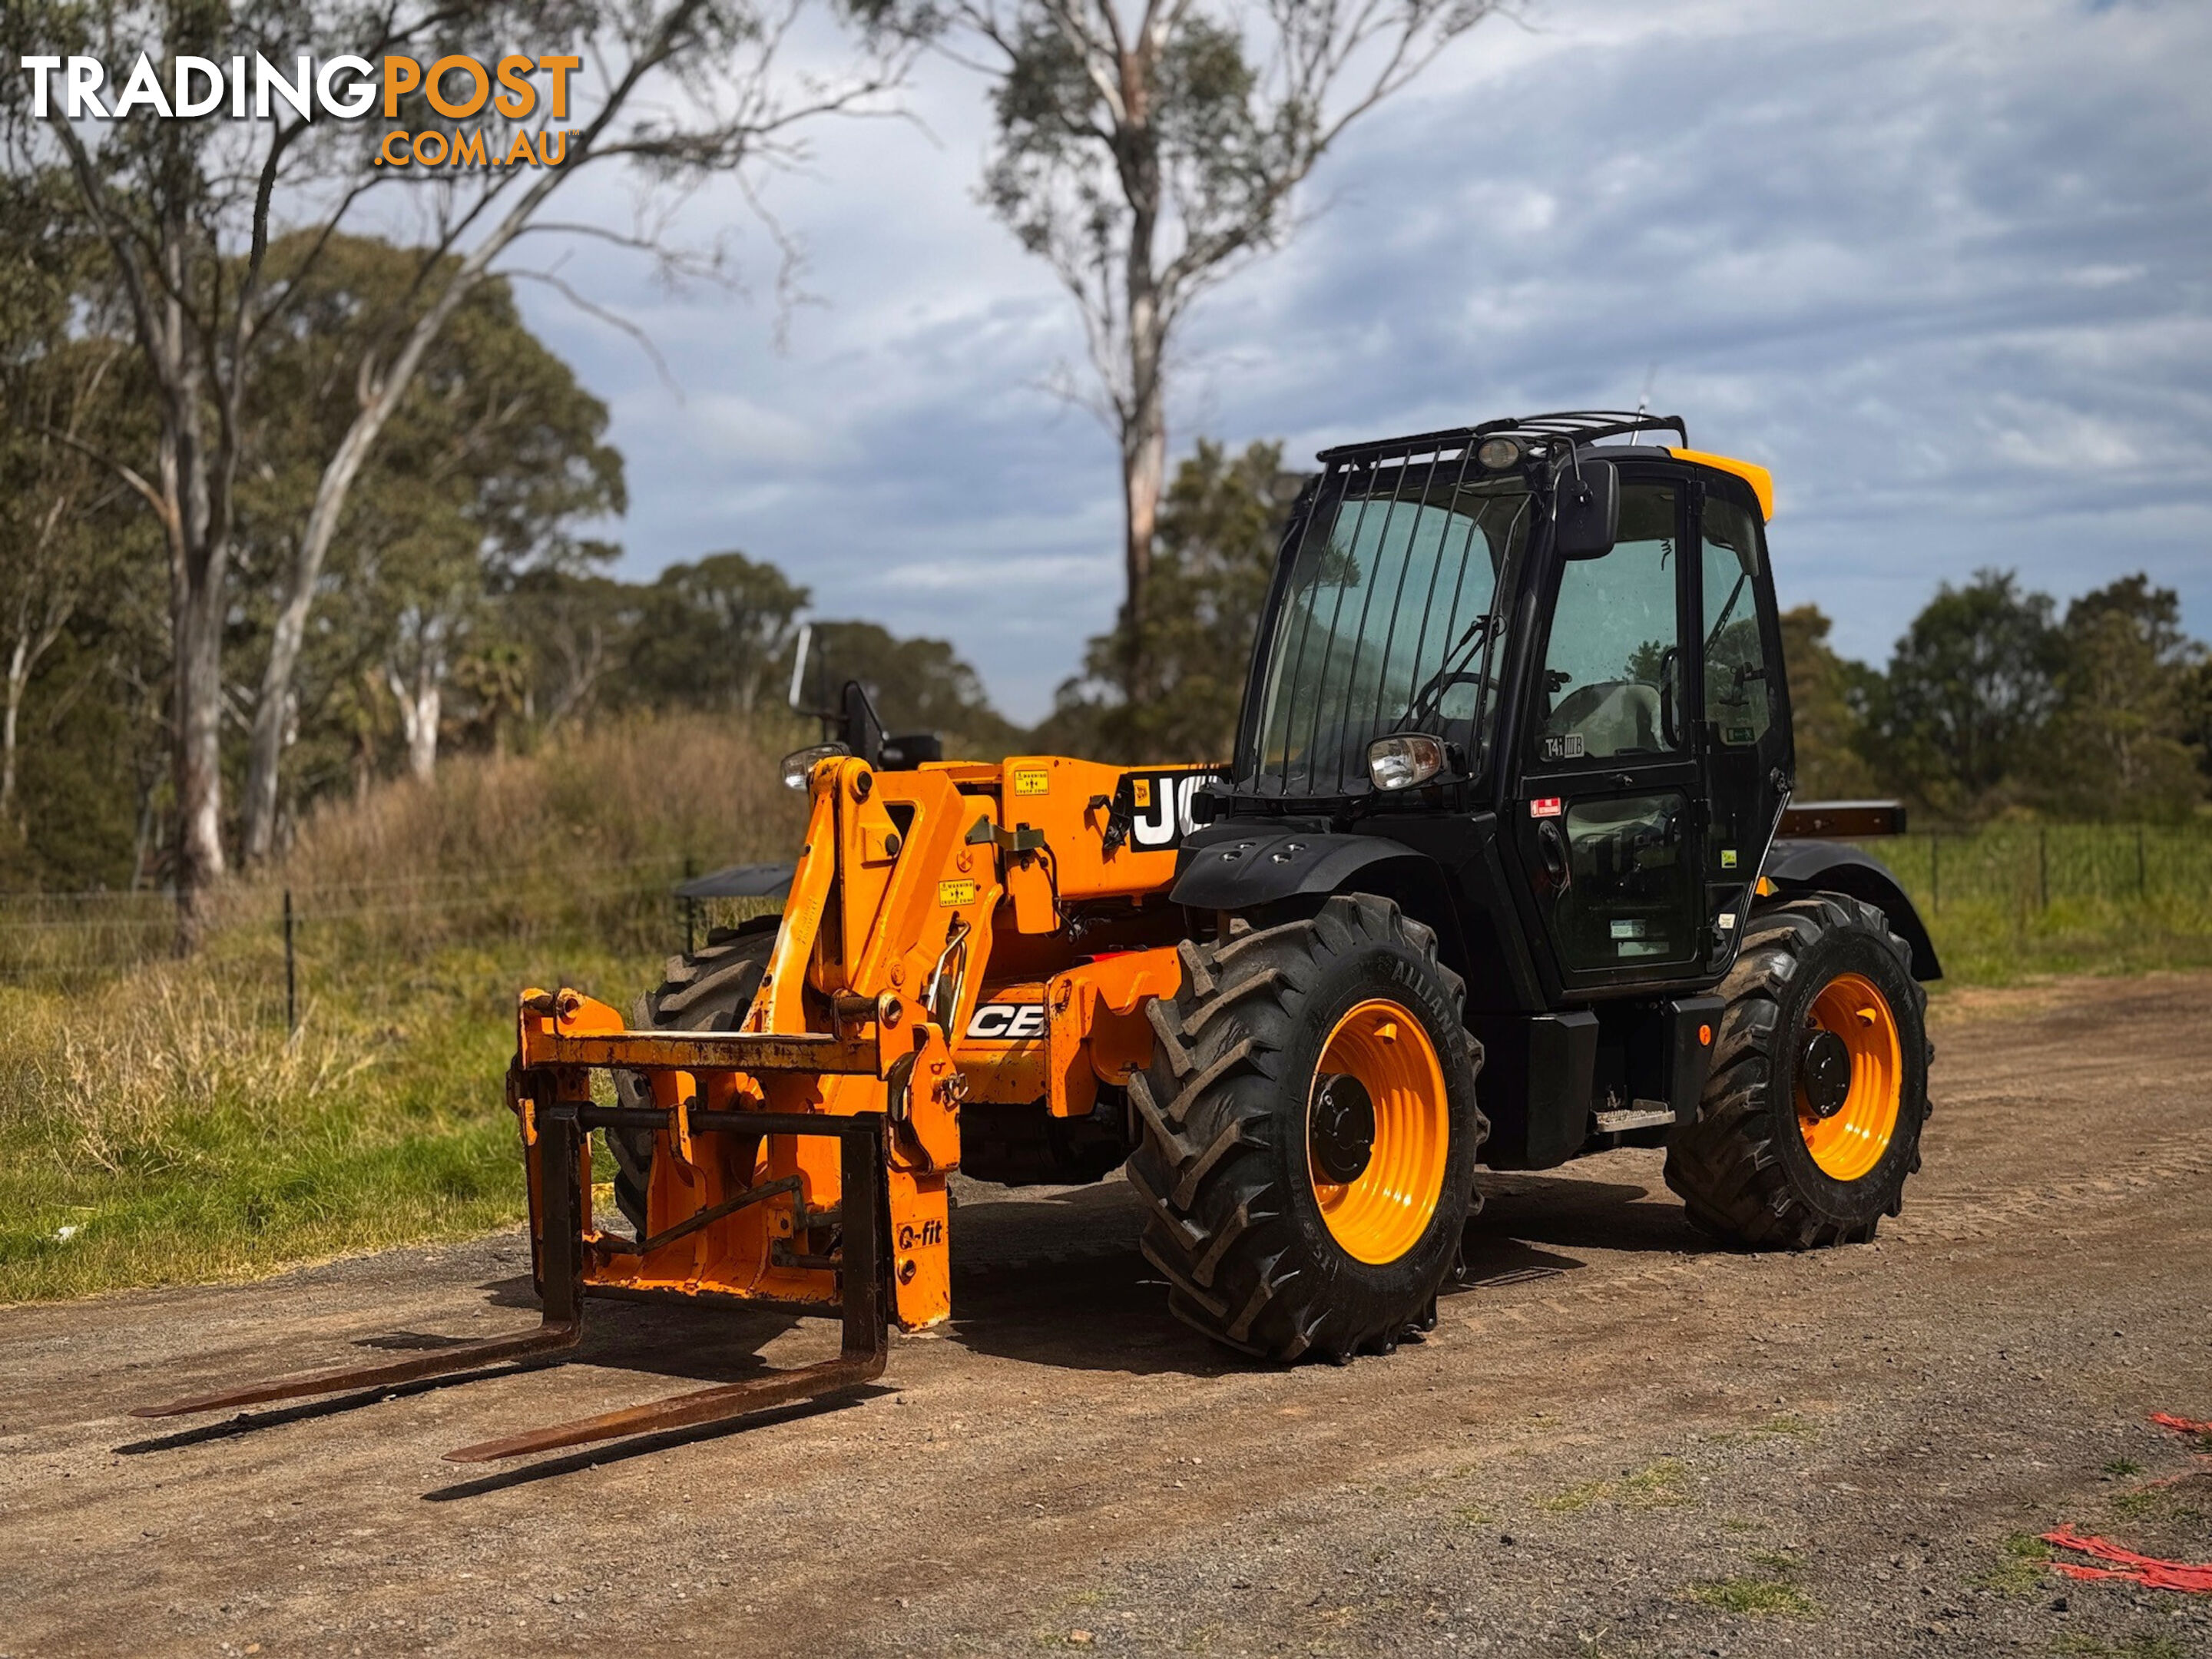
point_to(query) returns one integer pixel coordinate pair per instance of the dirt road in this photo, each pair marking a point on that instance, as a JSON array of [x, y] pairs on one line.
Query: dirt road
[[1618, 1441]]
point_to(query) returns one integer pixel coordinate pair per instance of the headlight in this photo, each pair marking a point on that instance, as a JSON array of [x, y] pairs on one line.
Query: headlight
[[799, 765], [1401, 762], [1497, 453]]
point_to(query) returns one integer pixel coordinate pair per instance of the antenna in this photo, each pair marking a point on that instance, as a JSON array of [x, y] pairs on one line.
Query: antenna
[[799, 661], [1644, 403]]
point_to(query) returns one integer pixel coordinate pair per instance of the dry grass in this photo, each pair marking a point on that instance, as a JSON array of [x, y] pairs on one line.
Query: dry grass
[[164, 1126], [104, 1085], [621, 795], [1766, 1596], [1658, 1486]]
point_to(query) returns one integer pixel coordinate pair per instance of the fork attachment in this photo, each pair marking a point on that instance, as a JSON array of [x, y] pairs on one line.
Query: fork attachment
[[562, 1269], [862, 1277], [865, 1263]]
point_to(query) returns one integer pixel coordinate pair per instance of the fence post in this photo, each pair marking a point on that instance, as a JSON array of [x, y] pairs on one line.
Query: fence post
[[691, 908], [291, 975], [2142, 871], [1934, 873]]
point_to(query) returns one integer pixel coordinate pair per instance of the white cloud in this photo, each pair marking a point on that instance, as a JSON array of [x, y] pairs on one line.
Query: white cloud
[[1942, 268]]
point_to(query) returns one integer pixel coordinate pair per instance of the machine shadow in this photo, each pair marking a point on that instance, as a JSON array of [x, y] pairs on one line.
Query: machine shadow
[[1044, 1276], [1569, 1212], [1053, 1276]]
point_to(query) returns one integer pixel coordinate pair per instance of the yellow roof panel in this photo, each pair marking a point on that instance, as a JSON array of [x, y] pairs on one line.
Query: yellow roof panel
[[1761, 480]]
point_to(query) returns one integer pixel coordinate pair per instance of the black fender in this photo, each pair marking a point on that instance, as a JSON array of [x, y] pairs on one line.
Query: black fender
[[1246, 869], [1806, 866]]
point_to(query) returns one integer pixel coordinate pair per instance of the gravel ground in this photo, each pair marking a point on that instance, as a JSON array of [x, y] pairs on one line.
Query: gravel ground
[[1618, 1441]]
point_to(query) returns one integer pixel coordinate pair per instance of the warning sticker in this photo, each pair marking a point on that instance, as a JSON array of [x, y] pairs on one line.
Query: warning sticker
[[1549, 807], [1727, 858], [1142, 788], [956, 892], [1032, 781]]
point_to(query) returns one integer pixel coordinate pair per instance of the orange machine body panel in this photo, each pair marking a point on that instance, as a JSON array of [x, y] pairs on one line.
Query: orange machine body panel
[[961, 932]]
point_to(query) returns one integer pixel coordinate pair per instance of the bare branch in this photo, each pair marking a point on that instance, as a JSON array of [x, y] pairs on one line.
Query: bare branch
[[638, 337]]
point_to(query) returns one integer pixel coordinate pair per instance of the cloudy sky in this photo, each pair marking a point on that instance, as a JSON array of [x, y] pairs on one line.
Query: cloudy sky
[[1945, 268]]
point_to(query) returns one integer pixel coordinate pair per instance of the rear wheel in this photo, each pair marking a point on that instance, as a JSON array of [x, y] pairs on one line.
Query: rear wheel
[[1309, 1132], [709, 989], [1810, 1123]]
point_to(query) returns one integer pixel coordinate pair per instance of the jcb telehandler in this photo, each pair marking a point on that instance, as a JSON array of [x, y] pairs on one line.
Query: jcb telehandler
[[1511, 795]]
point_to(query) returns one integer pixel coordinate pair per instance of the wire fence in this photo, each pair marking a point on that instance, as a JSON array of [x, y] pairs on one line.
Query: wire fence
[[58, 941], [62, 940], [2027, 869]]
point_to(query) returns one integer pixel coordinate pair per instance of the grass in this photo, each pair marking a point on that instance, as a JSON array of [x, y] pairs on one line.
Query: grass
[[2016, 901], [2019, 1568], [1772, 1591], [163, 1127], [2151, 1644], [1754, 1595], [1659, 1485], [2163, 1503]]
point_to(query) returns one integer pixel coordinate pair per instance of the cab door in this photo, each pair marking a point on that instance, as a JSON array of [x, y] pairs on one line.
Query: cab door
[[1743, 728], [1608, 818]]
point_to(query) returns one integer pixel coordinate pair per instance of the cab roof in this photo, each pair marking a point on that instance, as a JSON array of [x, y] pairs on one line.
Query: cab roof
[[1551, 435]]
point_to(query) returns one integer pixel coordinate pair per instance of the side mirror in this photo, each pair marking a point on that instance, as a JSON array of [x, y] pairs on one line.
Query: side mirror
[[858, 728], [1586, 511]]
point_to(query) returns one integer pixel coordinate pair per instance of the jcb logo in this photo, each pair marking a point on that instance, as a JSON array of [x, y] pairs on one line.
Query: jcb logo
[[1007, 1022], [1158, 805]]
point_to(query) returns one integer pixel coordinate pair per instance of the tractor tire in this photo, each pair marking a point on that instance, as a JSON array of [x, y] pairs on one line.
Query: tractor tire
[[709, 989], [1810, 1120], [1309, 1132]]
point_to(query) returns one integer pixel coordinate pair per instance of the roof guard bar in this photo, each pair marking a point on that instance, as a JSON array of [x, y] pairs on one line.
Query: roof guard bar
[[1572, 426]]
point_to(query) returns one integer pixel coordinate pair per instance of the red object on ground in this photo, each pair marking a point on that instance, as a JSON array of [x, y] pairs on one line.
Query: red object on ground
[[2190, 1578], [2179, 1425]]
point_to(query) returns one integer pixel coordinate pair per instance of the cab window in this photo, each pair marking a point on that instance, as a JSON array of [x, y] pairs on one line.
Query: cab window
[[1612, 670], [1737, 703]]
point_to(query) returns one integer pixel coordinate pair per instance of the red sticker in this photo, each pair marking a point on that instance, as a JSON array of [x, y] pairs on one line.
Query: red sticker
[[1547, 808]]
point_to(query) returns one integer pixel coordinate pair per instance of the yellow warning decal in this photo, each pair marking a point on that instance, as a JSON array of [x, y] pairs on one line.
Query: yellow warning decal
[[1143, 788], [1032, 781], [956, 892]]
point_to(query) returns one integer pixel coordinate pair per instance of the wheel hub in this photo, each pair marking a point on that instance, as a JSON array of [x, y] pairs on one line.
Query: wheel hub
[[1341, 1132], [1823, 1067]]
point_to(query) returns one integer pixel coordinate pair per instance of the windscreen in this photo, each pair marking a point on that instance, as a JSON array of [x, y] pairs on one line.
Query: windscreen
[[1389, 619]]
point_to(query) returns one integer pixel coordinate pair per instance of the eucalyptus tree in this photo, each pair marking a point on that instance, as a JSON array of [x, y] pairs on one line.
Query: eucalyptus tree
[[1148, 148], [187, 208]]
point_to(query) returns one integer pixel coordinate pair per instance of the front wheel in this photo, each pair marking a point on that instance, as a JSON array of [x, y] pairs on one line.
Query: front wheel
[[1309, 1132], [1810, 1123]]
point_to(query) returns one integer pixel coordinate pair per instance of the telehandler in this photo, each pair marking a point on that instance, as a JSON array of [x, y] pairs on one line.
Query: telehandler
[[1511, 795]]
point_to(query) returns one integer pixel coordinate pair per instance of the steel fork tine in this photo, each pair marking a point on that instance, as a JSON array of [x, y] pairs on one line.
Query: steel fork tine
[[561, 1272], [701, 1408], [346, 1379]]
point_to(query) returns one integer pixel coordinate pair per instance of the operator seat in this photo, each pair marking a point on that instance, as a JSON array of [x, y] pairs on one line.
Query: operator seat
[[1614, 717]]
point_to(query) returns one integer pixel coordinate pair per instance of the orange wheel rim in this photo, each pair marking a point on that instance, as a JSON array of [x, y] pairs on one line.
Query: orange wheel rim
[[1381, 1212], [1851, 1141]]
